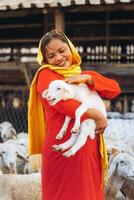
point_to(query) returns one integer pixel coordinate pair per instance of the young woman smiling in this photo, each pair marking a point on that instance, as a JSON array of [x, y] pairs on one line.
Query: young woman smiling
[[79, 177]]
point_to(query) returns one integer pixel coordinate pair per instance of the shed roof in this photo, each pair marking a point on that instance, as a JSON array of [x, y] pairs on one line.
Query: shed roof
[[13, 4]]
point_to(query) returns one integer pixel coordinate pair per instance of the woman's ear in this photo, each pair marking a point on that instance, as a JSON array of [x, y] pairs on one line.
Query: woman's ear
[[45, 93]]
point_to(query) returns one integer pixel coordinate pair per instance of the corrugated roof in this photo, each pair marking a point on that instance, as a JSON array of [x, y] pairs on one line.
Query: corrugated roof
[[13, 4]]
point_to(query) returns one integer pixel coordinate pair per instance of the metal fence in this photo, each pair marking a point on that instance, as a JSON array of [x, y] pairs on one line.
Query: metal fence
[[13, 108]]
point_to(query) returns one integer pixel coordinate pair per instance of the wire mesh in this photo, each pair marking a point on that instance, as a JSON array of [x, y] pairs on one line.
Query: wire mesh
[[13, 108]]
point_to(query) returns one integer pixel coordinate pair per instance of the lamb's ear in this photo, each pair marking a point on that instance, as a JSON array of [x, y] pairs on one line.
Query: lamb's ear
[[45, 93], [22, 156], [112, 167], [112, 151], [14, 132], [67, 94]]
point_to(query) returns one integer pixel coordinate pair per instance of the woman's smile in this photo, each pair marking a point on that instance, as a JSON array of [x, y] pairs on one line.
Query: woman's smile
[[62, 63]]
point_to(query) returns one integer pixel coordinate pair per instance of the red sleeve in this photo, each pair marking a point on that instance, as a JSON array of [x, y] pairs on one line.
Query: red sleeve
[[105, 87], [65, 107]]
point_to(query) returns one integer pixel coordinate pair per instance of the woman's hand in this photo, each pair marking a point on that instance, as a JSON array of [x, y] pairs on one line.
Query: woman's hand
[[82, 78], [100, 126], [99, 118]]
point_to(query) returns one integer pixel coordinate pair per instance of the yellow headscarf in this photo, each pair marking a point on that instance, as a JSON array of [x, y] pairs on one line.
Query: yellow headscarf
[[36, 119]]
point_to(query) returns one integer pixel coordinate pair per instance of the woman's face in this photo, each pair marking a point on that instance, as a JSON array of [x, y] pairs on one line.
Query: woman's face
[[58, 53]]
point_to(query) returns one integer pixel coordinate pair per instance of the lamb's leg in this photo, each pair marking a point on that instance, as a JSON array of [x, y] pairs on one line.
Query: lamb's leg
[[91, 128], [87, 129], [78, 113], [66, 145], [81, 140], [63, 129]]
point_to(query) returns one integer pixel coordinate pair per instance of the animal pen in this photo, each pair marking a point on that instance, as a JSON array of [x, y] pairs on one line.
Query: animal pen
[[102, 31]]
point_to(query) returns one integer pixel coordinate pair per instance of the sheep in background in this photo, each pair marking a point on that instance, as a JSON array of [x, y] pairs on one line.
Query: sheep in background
[[120, 196], [128, 188], [130, 142], [20, 187], [118, 146], [121, 166], [7, 131], [35, 167], [59, 90], [22, 163], [112, 151], [21, 145], [119, 129], [22, 135], [8, 158]]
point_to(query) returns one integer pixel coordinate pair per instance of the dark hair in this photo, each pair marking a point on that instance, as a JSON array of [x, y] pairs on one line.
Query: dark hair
[[54, 34]]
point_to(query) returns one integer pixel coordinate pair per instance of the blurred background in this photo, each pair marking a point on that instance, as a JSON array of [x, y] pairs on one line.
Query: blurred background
[[101, 30]]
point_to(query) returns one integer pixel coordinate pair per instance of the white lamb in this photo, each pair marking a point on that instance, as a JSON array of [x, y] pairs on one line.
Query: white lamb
[[7, 131], [8, 158], [59, 90], [121, 168]]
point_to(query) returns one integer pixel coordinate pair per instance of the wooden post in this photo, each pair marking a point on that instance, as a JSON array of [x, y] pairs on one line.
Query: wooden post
[[125, 104], [107, 36], [59, 20]]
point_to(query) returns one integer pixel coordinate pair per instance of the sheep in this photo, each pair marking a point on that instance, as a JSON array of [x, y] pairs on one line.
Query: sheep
[[128, 188], [8, 158], [120, 196], [121, 166], [112, 151], [130, 141], [118, 146], [33, 167], [21, 145], [22, 135], [59, 90], [121, 131], [20, 187], [7, 131]]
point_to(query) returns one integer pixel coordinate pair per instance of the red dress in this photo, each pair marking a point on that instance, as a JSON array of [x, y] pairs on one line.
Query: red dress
[[80, 176]]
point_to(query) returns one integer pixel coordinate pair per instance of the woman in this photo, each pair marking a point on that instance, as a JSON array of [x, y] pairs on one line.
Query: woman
[[80, 176]]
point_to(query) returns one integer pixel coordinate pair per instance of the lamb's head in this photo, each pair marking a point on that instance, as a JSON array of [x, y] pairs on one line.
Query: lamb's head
[[7, 131], [58, 90], [8, 156], [122, 165]]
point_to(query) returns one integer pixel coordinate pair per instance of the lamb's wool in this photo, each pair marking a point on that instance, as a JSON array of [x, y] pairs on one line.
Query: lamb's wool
[[20, 187]]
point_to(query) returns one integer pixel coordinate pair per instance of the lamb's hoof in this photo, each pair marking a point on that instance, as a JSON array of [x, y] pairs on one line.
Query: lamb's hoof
[[92, 136], [56, 147], [75, 130], [67, 154], [59, 137]]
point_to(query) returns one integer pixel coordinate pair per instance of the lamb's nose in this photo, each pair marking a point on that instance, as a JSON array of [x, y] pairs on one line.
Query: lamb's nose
[[12, 164], [48, 98], [4, 136]]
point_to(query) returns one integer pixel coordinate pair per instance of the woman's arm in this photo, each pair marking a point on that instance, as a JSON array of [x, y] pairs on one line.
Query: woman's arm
[[105, 87], [100, 120]]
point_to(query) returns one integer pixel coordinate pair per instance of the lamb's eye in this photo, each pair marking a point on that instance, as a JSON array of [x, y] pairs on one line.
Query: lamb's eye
[[58, 88], [122, 162], [3, 152]]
